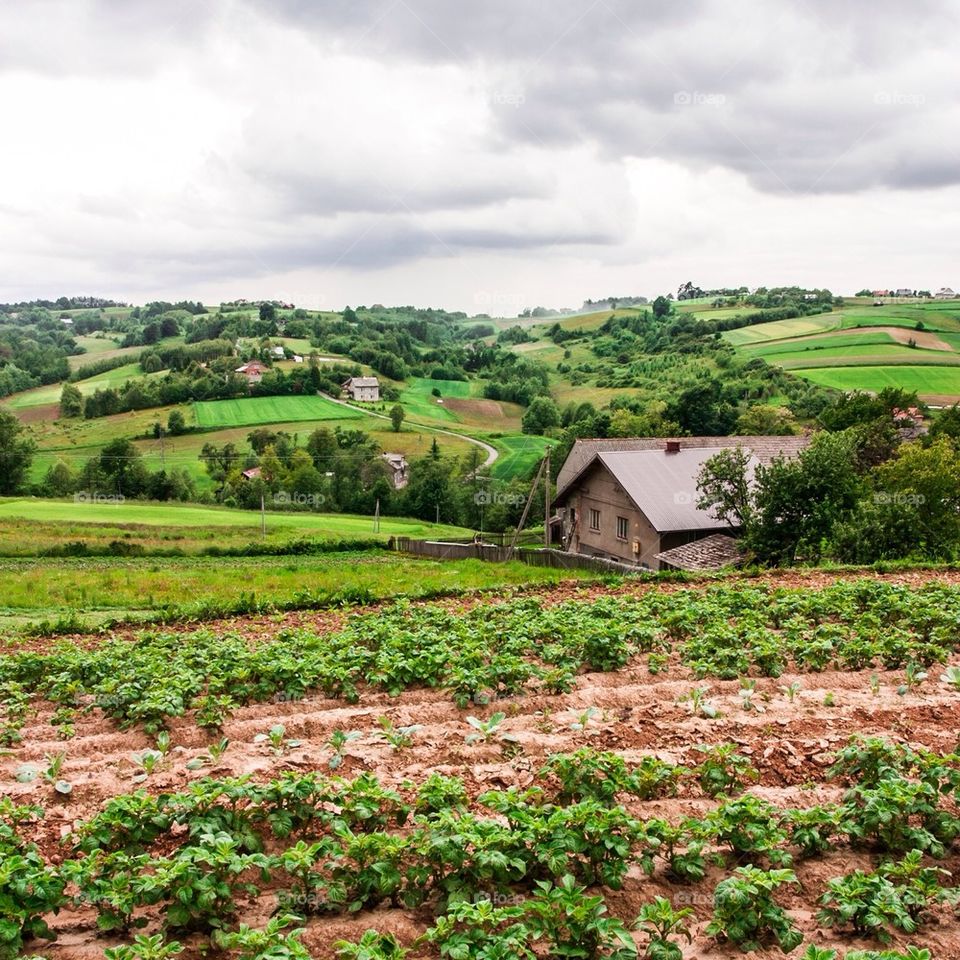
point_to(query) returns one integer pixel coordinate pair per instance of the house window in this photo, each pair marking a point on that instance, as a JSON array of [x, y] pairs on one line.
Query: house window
[[623, 528], [594, 519]]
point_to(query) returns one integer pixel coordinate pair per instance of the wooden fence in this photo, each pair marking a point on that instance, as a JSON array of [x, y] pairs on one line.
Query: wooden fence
[[542, 557]]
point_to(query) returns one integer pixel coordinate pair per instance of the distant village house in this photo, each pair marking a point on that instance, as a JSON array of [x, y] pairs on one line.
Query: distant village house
[[399, 468], [362, 389], [253, 371]]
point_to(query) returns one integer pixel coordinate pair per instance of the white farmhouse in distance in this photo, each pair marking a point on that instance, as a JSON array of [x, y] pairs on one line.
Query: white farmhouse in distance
[[944, 293], [362, 389]]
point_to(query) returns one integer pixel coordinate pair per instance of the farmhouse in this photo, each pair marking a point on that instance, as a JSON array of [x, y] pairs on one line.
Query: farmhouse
[[253, 371], [635, 500], [399, 468], [945, 293], [363, 389], [278, 352]]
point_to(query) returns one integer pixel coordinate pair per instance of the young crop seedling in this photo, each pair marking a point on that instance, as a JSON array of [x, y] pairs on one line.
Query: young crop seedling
[[52, 774], [791, 690], [723, 770], [659, 922], [485, 729], [145, 948], [371, 946], [897, 895], [147, 761], [337, 742], [951, 677], [270, 943], [582, 723], [276, 735], [398, 737], [875, 684], [214, 752], [698, 704], [914, 675], [747, 689]]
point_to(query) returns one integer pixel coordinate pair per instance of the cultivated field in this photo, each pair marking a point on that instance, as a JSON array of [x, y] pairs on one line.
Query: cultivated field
[[255, 411], [863, 347], [486, 777]]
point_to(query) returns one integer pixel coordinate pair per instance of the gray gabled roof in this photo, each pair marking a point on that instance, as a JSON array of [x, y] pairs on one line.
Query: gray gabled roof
[[765, 449], [664, 485], [362, 382], [709, 553]]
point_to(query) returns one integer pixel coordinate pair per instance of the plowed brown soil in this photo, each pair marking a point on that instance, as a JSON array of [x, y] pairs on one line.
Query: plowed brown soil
[[789, 741]]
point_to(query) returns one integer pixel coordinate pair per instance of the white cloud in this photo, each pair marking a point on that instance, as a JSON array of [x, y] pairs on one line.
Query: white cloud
[[415, 151]]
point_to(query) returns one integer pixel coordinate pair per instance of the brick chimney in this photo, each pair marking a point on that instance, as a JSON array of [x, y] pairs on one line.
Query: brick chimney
[[673, 446]]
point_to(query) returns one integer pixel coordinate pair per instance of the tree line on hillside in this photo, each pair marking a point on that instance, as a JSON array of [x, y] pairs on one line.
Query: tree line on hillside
[[858, 494], [213, 380]]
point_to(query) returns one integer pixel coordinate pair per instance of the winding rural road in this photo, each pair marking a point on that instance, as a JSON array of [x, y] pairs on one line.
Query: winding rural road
[[491, 451]]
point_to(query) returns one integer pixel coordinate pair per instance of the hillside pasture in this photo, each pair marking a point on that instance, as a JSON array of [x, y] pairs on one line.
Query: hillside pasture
[[289, 525], [254, 411], [519, 456], [929, 381], [50, 394]]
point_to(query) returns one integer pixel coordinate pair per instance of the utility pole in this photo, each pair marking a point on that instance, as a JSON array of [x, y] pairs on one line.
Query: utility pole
[[263, 517], [163, 459], [526, 510], [546, 503], [376, 517]]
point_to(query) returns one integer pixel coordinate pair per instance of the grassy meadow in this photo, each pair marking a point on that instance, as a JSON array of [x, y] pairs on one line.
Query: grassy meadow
[[101, 589], [134, 514], [258, 411]]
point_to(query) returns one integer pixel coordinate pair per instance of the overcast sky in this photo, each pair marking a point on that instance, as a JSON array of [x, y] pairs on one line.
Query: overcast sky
[[484, 157]]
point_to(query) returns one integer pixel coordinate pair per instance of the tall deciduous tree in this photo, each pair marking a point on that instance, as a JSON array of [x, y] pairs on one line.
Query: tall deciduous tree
[[71, 401], [16, 453]]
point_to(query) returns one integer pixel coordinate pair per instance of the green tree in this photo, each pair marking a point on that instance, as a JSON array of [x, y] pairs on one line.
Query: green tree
[[59, 480], [661, 307], [540, 416], [703, 410], [16, 453], [322, 447], [176, 424], [428, 493], [766, 420], [788, 509], [397, 415], [71, 401], [913, 508], [123, 469], [219, 461], [947, 424]]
